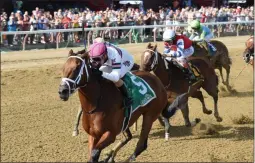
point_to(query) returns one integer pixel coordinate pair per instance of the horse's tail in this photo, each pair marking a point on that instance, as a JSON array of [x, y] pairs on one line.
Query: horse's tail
[[180, 102], [219, 44], [228, 59]]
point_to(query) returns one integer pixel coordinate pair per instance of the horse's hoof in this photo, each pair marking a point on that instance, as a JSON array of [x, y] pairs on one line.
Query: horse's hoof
[[188, 124], [197, 120], [219, 119], [131, 158], [111, 160], [75, 133], [208, 112]]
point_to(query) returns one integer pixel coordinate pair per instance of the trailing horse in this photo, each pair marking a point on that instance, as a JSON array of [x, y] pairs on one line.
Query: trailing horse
[[248, 54], [102, 105], [220, 60], [175, 81]]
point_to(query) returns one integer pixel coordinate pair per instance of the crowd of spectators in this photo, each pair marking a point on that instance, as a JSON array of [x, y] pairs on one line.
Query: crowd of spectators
[[39, 19]]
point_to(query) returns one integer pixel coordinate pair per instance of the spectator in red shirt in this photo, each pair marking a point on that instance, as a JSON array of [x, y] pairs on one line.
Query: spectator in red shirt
[[66, 22], [203, 18]]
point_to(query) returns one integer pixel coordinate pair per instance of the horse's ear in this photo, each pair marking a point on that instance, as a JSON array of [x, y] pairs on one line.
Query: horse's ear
[[149, 45], [70, 53], [155, 47], [85, 56]]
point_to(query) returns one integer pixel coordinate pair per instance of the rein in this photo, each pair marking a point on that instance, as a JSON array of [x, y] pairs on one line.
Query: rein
[[155, 60], [154, 65]]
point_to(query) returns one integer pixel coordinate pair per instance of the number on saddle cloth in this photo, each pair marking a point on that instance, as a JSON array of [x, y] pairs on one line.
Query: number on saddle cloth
[[141, 93]]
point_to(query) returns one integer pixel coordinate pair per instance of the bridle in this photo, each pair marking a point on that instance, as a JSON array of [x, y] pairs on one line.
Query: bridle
[[248, 55], [76, 82], [154, 64], [155, 60]]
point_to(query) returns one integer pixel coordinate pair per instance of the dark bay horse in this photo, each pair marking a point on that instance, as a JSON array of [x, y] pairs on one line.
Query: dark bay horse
[[102, 106], [221, 60], [248, 54], [174, 80]]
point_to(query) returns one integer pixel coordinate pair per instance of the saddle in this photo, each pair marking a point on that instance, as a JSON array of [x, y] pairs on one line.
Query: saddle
[[211, 50], [183, 69]]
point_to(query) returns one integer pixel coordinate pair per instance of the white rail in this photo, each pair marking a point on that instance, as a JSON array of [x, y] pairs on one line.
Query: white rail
[[115, 28]]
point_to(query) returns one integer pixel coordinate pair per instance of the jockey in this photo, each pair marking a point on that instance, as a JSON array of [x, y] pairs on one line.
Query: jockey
[[180, 47], [201, 33], [111, 63]]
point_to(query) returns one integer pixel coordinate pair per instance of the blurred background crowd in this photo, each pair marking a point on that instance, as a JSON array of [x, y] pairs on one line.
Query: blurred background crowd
[[127, 15]]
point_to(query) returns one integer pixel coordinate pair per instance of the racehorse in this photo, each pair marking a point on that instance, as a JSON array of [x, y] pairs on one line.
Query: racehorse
[[221, 60], [174, 80], [102, 106], [248, 54]]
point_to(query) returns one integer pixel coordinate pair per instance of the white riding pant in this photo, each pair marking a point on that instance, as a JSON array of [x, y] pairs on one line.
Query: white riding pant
[[186, 54]]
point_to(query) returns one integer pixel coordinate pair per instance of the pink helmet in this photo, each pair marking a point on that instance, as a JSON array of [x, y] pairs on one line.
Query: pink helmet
[[97, 50]]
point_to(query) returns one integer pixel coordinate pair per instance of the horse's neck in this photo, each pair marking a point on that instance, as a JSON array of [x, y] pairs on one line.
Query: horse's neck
[[93, 94], [250, 43], [161, 71], [90, 94]]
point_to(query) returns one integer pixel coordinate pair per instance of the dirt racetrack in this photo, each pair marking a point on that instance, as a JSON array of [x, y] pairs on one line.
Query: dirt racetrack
[[36, 126]]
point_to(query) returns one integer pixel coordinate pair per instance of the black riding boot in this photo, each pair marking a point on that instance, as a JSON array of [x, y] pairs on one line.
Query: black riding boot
[[127, 98]]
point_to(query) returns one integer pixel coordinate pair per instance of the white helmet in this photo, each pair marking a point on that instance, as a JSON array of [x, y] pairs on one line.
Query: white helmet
[[168, 35]]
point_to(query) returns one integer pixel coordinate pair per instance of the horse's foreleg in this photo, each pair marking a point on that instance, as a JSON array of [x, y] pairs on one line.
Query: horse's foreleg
[[200, 96], [143, 140], [216, 112], [167, 128], [185, 114], [227, 68], [211, 88], [113, 152], [76, 124], [161, 120], [93, 153], [106, 139], [221, 75]]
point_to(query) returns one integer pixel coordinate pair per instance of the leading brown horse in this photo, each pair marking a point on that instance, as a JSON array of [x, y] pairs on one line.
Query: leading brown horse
[[102, 106], [174, 79], [248, 54]]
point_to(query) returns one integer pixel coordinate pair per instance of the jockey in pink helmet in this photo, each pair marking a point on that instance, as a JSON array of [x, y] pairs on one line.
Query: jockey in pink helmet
[[112, 63]]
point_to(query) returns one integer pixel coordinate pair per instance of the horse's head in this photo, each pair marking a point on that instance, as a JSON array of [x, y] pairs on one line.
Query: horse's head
[[75, 74], [249, 51], [149, 59]]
